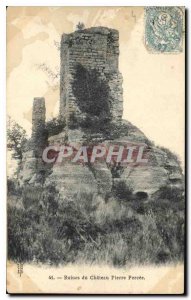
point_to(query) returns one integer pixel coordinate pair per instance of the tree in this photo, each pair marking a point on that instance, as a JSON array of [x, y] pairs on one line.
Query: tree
[[16, 138]]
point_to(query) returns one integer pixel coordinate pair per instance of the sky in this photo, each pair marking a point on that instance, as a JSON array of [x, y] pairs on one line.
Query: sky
[[153, 84]]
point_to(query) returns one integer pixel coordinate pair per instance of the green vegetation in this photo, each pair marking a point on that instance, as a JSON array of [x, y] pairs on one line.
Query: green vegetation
[[120, 231], [92, 96], [16, 139], [54, 126]]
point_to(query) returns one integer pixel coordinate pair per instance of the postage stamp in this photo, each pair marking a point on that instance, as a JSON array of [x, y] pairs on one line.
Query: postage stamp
[[163, 29]]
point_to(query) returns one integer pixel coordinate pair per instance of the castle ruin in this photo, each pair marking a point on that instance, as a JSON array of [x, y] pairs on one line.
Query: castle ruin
[[94, 49], [92, 55]]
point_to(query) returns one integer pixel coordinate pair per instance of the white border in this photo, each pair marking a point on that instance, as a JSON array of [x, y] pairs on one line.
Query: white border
[[95, 3], [3, 4]]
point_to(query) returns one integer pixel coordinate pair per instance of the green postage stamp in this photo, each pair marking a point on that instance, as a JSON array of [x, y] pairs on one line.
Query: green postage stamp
[[163, 29]]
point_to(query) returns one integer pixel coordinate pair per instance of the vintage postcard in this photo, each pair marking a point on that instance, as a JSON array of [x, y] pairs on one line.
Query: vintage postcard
[[95, 150]]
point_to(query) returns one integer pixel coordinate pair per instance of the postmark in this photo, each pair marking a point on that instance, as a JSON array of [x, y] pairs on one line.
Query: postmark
[[163, 29]]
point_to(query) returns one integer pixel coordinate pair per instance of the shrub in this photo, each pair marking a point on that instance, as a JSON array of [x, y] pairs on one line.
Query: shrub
[[89, 230], [138, 206], [55, 126], [21, 234], [116, 170], [13, 187], [172, 156], [31, 195], [170, 193], [122, 191]]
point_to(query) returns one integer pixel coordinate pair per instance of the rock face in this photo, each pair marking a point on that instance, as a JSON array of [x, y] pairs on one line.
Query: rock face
[[72, 179], [89, 64]]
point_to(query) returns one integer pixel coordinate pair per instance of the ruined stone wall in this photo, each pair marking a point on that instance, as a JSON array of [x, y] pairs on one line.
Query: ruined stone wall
[[95, 49], [38, 124], [32, 163]]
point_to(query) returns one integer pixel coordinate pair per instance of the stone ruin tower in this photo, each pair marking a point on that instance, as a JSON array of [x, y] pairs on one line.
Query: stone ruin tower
[[96, 48]]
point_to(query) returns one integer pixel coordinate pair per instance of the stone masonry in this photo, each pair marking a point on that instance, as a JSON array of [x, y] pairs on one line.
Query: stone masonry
[[97, 49], [38, 124], [32, 160]]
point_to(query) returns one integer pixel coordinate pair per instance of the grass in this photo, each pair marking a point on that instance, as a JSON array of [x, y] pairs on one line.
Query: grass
[[90, 229]]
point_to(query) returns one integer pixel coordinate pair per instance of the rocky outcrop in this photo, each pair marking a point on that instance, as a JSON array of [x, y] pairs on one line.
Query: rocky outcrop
[[72, 179], [90, 95], [161, 169]]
